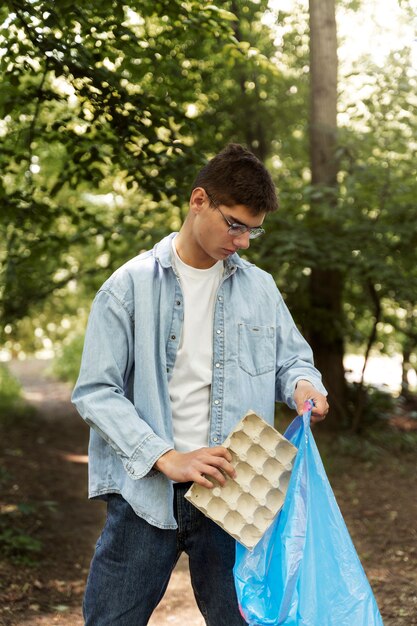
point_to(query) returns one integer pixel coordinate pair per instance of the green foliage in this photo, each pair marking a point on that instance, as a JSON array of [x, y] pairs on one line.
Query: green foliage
[[15, 542], [377, 404], [10, 389], [95, 101], [378, 188], [18, 546], [377, 444], [66, 364], [11, 401], [14, 410], [106, 112]]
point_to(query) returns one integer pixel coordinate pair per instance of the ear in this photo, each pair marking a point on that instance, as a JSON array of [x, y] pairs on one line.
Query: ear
[[198, 200]]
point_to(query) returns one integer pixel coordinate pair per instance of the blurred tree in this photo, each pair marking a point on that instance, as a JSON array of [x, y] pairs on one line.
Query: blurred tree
[[326, 281], [107, 111], [98, 98], [378, 190], [242, 85], [360, 228], [101, 149]]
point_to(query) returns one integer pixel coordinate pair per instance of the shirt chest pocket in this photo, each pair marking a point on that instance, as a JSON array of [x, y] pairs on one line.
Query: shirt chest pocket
[[256, 348]]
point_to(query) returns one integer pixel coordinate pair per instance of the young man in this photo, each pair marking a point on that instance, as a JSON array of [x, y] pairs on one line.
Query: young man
[[181, 342]]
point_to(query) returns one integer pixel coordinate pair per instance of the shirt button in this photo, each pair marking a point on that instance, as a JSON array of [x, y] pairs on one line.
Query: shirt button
[[218, 331], [173, 337], [217, 402], [220, 298], [217, 364], [215, 439], [178, 302]]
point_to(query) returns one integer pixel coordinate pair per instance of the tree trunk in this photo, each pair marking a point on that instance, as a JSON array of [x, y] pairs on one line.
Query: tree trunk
[[326, 284], [406, 367]]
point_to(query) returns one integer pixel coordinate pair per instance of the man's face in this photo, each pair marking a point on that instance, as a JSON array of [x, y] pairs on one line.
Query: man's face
[[211, 237]]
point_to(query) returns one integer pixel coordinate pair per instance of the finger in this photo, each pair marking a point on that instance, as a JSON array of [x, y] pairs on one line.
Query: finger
[[215, 474], [220, 464], [200, 479], [319, 415], [317, 418], [319, 411], [320, 408], [227, 468], [220, 451]]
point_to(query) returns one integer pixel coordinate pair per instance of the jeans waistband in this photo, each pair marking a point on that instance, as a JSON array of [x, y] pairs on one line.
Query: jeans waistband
[[183, 486]]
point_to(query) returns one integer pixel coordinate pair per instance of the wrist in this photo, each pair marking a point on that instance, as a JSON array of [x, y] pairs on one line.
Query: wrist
[[161, 463]]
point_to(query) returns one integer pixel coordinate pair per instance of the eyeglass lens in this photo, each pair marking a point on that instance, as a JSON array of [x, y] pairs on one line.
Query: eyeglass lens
[[237, 229]]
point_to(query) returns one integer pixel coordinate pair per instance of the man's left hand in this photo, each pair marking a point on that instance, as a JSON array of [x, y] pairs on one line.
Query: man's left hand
[[306, 391]]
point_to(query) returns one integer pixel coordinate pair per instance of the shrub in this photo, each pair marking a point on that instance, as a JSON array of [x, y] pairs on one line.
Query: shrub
[[11, 399], [66, 364]]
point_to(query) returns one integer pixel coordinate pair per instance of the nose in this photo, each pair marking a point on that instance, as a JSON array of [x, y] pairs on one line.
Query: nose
[[242, 241]]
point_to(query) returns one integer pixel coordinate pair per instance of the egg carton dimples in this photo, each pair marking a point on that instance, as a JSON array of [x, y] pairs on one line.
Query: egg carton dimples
[[246, 505]]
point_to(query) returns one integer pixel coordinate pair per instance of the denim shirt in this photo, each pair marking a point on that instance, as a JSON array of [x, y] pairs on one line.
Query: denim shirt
[[129, 353]]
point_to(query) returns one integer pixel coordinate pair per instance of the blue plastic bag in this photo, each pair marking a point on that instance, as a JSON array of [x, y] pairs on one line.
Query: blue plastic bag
[[305, 570]]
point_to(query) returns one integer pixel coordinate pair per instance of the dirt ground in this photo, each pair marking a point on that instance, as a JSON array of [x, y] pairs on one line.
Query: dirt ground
[[43, 465]]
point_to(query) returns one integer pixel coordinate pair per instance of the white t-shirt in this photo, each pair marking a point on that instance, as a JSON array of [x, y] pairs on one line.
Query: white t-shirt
[[190, 384]]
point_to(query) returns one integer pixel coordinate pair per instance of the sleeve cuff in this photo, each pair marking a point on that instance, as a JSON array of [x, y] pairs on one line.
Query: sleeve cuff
[[316, 382], [145, 456]]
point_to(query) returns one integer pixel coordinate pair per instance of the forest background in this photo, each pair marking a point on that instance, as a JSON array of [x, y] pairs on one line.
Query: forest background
[[108, 109], [108, 112]]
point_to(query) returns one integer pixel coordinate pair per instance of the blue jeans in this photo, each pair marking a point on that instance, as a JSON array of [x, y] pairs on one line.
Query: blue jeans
[[134, 560]]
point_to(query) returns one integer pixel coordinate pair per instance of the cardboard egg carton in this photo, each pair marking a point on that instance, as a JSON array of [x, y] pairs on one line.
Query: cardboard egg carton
[[246, 505]]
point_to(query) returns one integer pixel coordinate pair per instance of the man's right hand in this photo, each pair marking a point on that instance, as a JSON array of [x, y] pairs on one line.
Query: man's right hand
[[195, 466]]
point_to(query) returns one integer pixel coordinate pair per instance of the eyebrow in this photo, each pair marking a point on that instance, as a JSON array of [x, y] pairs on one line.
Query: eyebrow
[[236, 221]]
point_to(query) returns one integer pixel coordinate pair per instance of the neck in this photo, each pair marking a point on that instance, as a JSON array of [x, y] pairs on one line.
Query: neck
[[189, 252]]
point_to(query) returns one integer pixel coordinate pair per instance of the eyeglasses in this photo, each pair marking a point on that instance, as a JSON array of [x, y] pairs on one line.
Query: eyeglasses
[[236, 229]]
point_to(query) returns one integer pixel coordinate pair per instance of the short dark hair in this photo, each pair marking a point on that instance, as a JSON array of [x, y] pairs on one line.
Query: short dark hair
[[237, 176]]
